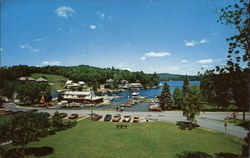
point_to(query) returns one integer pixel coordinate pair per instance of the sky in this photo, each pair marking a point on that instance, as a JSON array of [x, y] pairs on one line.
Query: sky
[[163, 36]]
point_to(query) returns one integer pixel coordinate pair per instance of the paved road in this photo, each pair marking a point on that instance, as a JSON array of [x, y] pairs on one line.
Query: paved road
[[209, 120]]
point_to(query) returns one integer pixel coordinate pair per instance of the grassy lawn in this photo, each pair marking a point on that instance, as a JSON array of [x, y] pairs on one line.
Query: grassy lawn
[[92, 139], [55, 81]]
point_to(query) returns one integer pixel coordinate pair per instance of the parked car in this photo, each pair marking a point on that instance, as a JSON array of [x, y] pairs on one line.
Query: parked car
[[96, 117], [126, 118], [63, 115], [108, 117], [73, 116], [116, 118], [136, 119]]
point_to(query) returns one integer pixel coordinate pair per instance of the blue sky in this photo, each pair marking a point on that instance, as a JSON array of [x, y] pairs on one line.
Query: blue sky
[[172, 36]]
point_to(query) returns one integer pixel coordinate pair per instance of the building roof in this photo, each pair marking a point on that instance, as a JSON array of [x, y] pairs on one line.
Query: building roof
[[93, 98], [22, 78], [81, 82], [79, 93], [40, 79], [69, 82]]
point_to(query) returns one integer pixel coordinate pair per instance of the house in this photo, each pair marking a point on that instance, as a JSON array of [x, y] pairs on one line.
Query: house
[[110, 81], [70, 84], [124, 82], [81, 97], [136, 85]]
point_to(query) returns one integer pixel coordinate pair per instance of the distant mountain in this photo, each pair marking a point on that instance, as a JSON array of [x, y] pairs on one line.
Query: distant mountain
[[176, 77]]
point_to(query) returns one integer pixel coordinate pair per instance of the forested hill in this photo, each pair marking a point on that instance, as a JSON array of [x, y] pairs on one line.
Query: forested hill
[[175, 77], [91, 75]]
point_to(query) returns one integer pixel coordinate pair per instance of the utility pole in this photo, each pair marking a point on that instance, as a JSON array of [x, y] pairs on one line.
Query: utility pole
[[91, 101]]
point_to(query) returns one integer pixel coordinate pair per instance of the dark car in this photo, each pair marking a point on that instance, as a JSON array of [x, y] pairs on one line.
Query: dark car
[[62, 115], [96, 117], [108, 117], [73, 116]]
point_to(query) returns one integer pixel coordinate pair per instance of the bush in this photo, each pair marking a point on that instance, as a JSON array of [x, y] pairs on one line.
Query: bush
[[232, 108], [70, 124], [186, 125]]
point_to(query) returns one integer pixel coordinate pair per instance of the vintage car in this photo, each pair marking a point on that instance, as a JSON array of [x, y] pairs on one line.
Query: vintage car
[[136, 119], [116, 118], [126, 118], [96, 117], [73, 116], [108, 117]]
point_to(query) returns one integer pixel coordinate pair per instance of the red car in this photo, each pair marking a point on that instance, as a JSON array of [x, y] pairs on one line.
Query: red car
[[155, 109], [96, 117], [73, 116]]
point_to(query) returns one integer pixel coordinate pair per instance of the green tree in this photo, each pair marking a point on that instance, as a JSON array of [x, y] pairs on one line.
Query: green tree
[[165, 97], [27, 127], [57, 122], [245, 147], [191, 103], [237, 16], [31, 92], [177, 96], [185, 85]]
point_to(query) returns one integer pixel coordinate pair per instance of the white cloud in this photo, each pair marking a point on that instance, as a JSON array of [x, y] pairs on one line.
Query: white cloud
[[194, 43], [26, 46], [157, 54], [65, 11], [205, 61], [1, 49], [203, 41], [37, 40], [143, 58], [103, 16], [154, 54], [93, 27], [184, 61], [190, 44], [53, 62]]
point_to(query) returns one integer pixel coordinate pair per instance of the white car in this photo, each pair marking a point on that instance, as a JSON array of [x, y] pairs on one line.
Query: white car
[[126, 118]]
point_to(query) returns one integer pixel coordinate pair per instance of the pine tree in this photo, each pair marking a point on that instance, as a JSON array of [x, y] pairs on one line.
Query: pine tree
[[165, 98], [185, 88], [178, 97]]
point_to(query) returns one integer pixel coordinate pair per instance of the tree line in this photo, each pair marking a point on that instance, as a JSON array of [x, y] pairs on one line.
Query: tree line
[[93, 76]]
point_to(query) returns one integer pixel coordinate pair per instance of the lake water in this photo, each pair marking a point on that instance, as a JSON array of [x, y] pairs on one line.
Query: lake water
[[149, 93], [152, 93]]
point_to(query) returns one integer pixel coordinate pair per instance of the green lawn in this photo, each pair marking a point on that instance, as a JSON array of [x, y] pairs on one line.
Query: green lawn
[[90, 139], [55, 81]]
